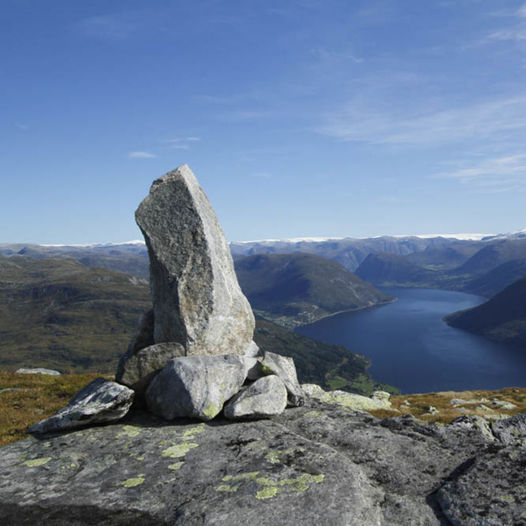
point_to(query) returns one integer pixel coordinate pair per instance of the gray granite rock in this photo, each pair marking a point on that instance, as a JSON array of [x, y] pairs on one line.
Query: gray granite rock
[[101, 401], [38, 370], [352, 401], [316, 465], [284, 367], [197, 300], [489, 490], [265, 397], [144, 336], [136, 370], [511, 431], [197, 386]]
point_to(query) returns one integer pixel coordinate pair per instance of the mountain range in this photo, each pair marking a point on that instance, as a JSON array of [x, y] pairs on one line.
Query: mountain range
[[295, 289]]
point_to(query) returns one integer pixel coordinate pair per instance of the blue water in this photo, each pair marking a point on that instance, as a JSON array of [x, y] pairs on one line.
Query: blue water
[[413, 349]]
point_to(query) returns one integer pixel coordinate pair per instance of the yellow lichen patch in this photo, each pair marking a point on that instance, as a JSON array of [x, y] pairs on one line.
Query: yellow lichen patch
[[176, 466], [251, 475], [179, 450], [227, 488], [130, 431], [131, 483], [273, 457], [37, 462], [194, 431], [211, 411], [267, 493]]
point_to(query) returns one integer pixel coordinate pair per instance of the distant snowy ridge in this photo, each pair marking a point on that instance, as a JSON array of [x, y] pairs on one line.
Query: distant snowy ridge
[[86, 245]]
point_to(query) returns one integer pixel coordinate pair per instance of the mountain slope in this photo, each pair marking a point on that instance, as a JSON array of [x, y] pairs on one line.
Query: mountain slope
[[497, 279], [492, 255], [58, 314], [391, 269], [502, 318], [301, 288]]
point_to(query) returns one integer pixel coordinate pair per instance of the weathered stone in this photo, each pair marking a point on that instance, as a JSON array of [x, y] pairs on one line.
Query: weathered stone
[[136, 370], [37, 370], [99, 402], [265, 397], [349, 400], [284, 367], [490, 490], [197, 386], [316, 465], [197, 300], [511, 431]]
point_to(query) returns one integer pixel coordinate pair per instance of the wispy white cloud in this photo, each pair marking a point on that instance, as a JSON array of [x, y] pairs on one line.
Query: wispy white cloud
[[21, 127], [141, 155], [492, 175], [182, 143], [516, 28], [357, 122]]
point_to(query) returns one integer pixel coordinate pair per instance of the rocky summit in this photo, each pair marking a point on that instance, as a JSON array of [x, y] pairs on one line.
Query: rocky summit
[[316, 465], [197, 300]]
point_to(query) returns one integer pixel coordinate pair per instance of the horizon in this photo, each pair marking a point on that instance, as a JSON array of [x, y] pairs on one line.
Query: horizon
[[320, 119]]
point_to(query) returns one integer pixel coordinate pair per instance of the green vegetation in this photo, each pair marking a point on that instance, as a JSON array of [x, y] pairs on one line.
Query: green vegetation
[[27, 398], [295, 289], [59, 314]]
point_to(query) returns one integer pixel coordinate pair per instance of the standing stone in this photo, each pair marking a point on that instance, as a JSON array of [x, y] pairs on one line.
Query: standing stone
[[197, 300]]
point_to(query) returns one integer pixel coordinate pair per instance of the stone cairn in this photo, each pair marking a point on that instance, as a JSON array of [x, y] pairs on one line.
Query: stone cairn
[[193, 355]]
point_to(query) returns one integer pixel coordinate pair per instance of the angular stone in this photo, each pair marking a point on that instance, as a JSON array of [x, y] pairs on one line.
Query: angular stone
[[38, 370], [511, 431], [197, 386], [99, 402], [136, 370], [284, 367], [265, 397], [197, 300]]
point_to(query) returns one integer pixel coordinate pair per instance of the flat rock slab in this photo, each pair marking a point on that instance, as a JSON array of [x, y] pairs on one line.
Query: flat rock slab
[[37, 370], [320, 465], [101, 401], [197, 300], [378, 400]]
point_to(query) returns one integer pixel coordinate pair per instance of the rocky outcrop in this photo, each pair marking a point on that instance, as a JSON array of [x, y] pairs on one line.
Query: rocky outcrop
[[356, 402], [197, 300], [100, 402], [265, 397], [316, 465]]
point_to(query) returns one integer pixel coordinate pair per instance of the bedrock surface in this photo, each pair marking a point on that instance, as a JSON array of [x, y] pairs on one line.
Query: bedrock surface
[[318, 464]]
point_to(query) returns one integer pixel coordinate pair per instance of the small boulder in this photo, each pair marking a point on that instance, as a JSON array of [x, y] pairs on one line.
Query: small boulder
[[38, 370], [284, 367], [197, 386], [265, 397], [101, 401], [136, 370], [352, 401]]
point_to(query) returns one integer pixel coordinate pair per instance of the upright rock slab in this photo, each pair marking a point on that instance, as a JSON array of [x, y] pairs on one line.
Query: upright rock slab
[[197, 300]]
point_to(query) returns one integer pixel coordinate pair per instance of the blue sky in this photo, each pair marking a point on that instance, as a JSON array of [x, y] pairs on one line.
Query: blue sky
[[299, 117]]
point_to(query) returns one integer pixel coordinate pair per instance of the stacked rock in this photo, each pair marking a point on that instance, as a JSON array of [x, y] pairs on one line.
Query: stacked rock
[[193, 354]]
